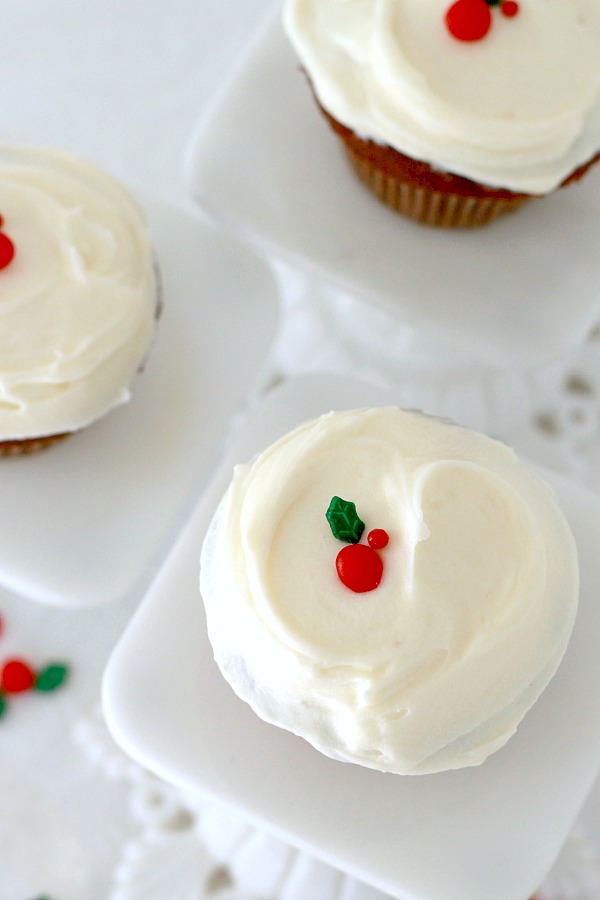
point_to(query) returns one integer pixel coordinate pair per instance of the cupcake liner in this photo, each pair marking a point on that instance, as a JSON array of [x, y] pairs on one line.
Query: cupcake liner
[[30, 445], [429, 206], [415, 189]]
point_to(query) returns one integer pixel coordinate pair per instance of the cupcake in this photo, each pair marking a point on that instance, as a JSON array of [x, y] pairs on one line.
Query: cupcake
[[395, 589], [78, 296], [455, 112]]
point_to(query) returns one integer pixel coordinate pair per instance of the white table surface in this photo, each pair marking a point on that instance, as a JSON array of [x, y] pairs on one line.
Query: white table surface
[[121, 83], [125, 84]]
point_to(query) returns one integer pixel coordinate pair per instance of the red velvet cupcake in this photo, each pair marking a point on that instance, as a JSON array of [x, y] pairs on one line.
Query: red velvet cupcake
[[79, 296], [455, 113]]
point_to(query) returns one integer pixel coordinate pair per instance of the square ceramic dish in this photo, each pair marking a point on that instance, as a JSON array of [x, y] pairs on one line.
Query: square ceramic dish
[[492, 831], [263, 162], [82, 522]]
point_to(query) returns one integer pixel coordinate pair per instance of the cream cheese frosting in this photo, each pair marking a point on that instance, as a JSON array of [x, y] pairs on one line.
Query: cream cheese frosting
[[519, 109], [78, 301], [435, 667]]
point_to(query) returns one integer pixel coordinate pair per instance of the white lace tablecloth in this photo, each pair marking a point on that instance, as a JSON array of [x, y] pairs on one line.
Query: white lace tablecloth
[[124, 84]]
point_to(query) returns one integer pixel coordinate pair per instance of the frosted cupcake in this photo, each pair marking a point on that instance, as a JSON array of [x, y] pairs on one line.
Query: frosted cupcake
[[394, 589], [455, 112], [78, 295]]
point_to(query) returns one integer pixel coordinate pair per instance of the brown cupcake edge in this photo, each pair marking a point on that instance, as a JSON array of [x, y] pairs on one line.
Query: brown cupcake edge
[[417, 190], [27, 446], [394, 164], [438, 208]]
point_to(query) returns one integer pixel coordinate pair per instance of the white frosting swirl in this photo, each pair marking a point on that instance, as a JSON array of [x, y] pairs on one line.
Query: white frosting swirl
[[435, 667], [78, 301], [519, 109]]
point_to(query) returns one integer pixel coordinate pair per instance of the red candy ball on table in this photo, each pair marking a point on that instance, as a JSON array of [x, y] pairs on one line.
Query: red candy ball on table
[[16, 676]]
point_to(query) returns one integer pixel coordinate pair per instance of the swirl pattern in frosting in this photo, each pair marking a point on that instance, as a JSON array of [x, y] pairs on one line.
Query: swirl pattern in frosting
[[519, 109], [78, 301], [435, 667]]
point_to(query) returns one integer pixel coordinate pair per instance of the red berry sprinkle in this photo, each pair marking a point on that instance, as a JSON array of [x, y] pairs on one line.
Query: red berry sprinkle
[[509, 8], [359, 567], [469, 20], [16, 676], [7, 250], [378, 539]]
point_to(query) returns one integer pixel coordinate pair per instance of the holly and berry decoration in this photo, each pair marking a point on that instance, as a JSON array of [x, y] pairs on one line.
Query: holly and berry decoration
[[470, 20], [17, 676], [359, 566], [7, 248]]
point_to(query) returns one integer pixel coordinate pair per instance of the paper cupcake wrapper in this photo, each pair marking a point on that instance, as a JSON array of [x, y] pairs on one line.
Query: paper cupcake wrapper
[[437, 208], [30, 445]]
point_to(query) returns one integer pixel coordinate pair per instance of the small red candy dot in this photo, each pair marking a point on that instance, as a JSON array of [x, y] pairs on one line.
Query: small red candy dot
[[469, 20], [359, 567], [378, 539], [7, 250], [509, 8], [16, 676]]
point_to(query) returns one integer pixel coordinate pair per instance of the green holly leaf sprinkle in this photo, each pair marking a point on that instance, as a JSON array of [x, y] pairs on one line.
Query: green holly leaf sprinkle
[[3, 706], [344, 521], [51, 677]]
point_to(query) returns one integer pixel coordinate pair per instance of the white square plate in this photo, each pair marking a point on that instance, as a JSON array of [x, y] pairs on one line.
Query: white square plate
[[522, 291], [81, 522], [491, 831]]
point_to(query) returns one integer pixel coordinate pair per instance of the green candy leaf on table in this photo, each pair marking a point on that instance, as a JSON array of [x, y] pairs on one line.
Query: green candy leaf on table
[[51, 677]]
